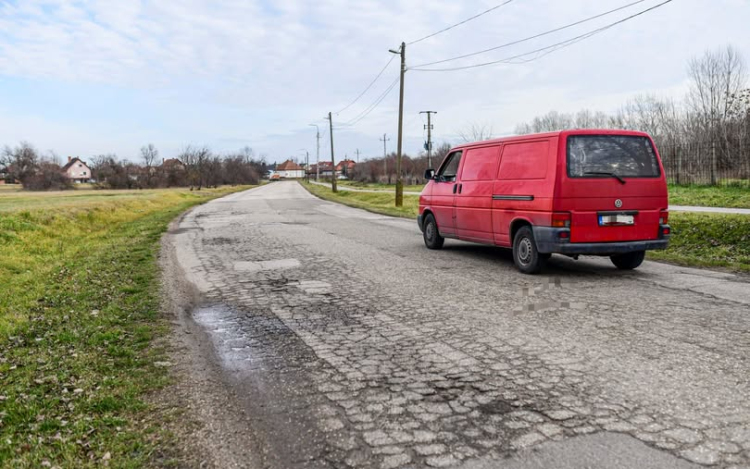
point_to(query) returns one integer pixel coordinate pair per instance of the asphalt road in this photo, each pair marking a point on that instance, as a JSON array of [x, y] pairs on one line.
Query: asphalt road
[[348, 344]]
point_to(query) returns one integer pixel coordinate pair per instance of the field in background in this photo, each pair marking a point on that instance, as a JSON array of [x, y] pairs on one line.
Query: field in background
[[703, 240], [79, 316]]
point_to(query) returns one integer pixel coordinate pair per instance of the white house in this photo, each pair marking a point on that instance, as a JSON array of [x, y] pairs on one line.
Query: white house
[[290, 170]]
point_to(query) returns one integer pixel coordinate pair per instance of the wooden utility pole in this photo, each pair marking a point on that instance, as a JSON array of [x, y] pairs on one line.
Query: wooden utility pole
[[357, 155], [317, 152], [429, 137], [399, 183], [333, 160], [385, 156]]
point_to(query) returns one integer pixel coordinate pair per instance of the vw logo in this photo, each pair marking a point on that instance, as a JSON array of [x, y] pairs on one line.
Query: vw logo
[[618, 203]]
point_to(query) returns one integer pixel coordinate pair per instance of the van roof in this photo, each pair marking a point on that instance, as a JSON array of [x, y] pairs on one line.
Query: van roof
[[558, 133]]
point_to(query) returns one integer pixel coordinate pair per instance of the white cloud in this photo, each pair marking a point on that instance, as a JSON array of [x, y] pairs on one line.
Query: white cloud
[[262, 70]]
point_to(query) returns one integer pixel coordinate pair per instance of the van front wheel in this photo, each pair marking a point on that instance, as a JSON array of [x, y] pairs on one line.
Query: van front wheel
[[432, 238], [525, 255], [628, 261]]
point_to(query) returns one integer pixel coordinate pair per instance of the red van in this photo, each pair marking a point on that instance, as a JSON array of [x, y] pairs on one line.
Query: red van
[[593, 192]]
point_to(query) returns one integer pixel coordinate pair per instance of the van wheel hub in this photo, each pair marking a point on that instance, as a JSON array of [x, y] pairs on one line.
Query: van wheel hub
[[524, 250], [430, 231]]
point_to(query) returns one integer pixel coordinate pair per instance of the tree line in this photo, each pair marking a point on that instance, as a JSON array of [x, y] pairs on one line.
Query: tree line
[[195, 167], [702, 137]]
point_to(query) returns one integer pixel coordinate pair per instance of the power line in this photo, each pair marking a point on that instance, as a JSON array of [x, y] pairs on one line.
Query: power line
[[372, 107], [548, 49], [366, 89], [460, 23], [546, 33]]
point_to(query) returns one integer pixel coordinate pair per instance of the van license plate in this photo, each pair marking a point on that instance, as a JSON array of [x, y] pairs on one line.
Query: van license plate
[[605, 220]]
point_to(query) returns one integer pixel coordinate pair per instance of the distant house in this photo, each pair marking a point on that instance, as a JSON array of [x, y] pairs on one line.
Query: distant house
[[172, 164], [290, 170], [77, 170], [326, 169], [344, 168]]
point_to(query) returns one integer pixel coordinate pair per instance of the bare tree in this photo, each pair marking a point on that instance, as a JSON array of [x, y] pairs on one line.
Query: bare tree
[[149, 155], [717, 78], [476, 133], [21, 163]]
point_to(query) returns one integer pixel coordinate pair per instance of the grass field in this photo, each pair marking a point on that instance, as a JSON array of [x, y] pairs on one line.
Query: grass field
[[710, 196], [703, 240], [378, 203], [79, 315]]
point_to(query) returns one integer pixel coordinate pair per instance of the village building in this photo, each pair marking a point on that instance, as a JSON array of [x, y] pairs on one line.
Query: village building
[[77, 170], [290, 170]]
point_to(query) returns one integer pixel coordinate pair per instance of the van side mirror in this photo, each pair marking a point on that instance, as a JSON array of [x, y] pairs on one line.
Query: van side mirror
[[429, 174]]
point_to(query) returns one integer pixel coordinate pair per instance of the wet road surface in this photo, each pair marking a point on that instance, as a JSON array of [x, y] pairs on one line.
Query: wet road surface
[[349, 344]]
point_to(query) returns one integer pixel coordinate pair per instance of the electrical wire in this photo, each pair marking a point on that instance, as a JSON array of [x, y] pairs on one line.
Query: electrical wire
[[372, 107], [366, 89], [546, 33], [546, 50], [460, 23]]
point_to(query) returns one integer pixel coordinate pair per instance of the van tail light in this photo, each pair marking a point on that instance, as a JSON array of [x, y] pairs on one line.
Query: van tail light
[[664, 217], [561, 219]]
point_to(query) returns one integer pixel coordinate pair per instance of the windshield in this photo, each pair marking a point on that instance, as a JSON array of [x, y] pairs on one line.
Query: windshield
[[611, 155]]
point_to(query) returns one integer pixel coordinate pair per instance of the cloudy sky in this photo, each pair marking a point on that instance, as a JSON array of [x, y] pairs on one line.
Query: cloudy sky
[[85, 77]]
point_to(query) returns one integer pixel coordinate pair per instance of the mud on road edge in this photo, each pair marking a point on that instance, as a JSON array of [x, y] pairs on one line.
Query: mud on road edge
[[208, 428]]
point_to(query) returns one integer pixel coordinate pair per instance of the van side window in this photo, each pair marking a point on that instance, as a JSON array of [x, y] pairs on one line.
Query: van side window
[[449, 169]]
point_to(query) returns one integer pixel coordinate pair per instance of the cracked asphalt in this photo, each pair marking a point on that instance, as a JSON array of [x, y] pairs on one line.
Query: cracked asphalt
[[348, 344]]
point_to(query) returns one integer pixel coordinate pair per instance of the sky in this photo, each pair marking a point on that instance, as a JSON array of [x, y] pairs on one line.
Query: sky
[[89, 77]]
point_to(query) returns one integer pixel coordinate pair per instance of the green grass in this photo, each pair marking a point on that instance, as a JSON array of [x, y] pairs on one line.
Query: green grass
[[710, 196], [79, 317], [701, 240], [380, 186], [708, 240], [379, 203], [15, 199]]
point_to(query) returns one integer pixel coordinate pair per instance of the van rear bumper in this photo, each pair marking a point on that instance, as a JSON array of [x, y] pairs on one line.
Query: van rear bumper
[[548, 241]]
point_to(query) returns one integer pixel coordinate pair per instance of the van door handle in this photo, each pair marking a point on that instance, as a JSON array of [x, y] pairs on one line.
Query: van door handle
[[460, 186], [455, 186]]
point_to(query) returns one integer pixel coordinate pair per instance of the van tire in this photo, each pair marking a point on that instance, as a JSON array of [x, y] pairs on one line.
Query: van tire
[[432, 238], [628, 261], [525, 254]]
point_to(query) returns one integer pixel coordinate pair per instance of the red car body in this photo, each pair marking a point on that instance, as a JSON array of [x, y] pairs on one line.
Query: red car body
[[594, 192]]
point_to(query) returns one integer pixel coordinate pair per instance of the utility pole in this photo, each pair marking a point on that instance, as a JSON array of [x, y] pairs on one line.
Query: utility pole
[[385, 156], [357, 155], [399, 184], [333, 160], [429, 137], [307, 166], [317, 152]]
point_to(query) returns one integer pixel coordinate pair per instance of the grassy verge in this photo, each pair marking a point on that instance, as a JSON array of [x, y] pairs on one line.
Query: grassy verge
[[701, 240], [710, 196], [380, 186], [79, 315], [708, 240], [379, 203]]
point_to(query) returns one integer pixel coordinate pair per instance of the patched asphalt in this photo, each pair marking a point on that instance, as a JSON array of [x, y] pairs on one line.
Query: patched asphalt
[[349, 344]]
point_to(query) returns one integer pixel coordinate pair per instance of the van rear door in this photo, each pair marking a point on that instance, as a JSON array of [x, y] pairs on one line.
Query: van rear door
[[613, 186]]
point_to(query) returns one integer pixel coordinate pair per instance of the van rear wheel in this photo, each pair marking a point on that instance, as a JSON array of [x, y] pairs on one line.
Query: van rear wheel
[[525, 255], [628, 261], [432, 238]]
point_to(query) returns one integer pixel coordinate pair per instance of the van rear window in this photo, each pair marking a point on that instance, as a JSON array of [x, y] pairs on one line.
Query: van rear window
[[622, 155]]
